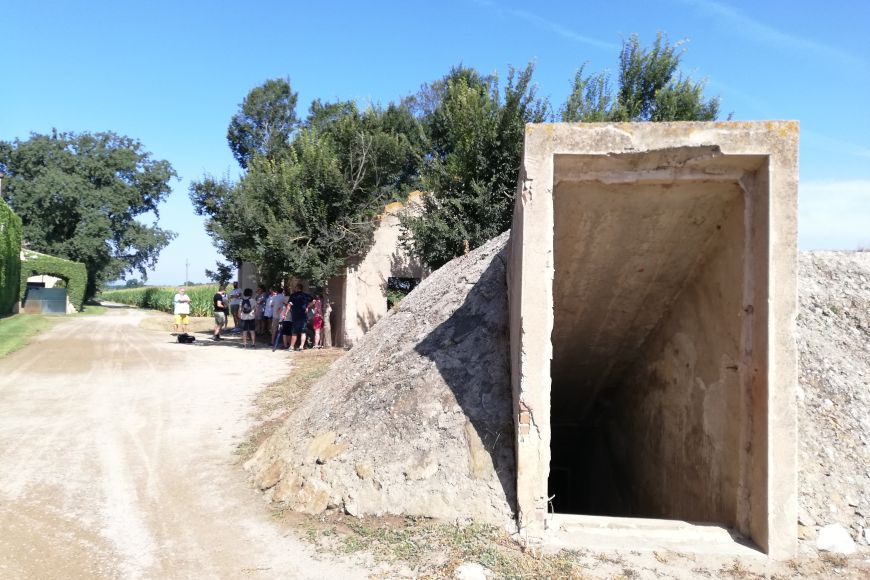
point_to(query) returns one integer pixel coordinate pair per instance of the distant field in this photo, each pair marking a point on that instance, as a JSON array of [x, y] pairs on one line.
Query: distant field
[[160, 297]]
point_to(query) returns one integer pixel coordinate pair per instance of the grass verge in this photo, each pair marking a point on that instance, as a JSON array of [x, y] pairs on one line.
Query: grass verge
[[16, 330]]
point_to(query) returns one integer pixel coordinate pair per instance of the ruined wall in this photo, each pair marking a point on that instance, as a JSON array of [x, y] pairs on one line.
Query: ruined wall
[[364, 298]]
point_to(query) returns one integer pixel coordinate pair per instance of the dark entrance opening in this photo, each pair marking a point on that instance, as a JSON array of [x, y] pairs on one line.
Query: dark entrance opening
[[648, 325]]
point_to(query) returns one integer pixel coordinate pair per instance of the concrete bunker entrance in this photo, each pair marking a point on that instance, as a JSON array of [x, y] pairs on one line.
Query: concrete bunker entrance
[[655, 276]]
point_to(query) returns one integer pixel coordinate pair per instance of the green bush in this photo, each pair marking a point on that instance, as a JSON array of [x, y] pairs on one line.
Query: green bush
[[74, 274], [10, 258], [160, 297]]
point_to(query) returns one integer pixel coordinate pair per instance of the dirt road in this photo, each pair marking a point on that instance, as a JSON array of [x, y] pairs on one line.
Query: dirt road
[[116, 459]]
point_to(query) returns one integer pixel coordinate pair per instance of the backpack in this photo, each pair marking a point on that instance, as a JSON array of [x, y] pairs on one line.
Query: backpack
[[186, 338], [246, 306]]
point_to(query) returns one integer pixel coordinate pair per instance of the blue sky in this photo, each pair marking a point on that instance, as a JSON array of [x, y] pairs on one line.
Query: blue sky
[[172, 73]]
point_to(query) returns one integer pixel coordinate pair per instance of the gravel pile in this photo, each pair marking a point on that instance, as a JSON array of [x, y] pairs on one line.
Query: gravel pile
[[834, 393]]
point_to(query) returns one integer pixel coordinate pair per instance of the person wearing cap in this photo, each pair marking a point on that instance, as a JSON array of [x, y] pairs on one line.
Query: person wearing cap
[[181, 309]]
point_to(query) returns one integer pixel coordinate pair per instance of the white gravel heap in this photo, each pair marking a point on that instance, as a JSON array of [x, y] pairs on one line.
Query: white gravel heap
[[834, 392]]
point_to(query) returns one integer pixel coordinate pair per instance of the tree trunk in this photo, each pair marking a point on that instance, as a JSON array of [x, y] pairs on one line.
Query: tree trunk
[[326, 308]]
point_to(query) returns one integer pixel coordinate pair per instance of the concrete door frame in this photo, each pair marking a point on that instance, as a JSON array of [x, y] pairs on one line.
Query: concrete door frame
[[773, 470]]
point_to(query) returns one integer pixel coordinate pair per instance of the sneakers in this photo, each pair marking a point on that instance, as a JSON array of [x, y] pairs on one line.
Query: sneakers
[[216, 337]]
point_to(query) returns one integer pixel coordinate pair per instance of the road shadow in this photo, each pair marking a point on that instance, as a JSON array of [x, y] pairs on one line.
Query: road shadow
[[471, 351]]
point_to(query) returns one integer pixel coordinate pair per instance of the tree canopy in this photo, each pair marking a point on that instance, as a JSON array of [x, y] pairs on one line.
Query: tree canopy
[[312, 189], [476, 136], [264, 122], [303, 208], [650, 88], [79, 196]]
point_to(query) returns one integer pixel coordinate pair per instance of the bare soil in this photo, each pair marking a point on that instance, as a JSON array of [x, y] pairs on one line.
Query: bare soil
[[117, 458]]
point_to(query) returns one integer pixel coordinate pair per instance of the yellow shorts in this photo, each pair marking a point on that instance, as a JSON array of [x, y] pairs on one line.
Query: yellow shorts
[[182, 319]]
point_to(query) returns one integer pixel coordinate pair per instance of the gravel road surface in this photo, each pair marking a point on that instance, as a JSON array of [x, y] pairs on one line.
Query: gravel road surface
[[116, 458]]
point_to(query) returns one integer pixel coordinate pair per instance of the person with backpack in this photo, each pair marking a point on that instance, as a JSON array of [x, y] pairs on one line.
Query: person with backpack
[[247, 317]]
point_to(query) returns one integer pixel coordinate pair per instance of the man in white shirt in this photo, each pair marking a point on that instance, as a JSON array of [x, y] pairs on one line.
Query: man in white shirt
[[235, 301], [181, 309]]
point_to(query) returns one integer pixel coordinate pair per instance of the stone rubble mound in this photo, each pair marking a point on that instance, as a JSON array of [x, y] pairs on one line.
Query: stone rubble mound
[[834, 393], [416, 419]]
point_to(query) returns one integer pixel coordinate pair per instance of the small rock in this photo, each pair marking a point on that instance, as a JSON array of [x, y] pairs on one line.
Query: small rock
[[806, 533], [471, 571], [804, 517], [835, 538], [363, 471]]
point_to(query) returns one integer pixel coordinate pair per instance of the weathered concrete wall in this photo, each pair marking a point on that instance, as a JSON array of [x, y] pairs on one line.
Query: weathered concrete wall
[[668, 251], [249, 277], [364, 298], [683, 398]]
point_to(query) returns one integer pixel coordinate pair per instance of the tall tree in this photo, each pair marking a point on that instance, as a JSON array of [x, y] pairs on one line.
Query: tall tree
[[79, 197], [304, 210], [650, 88], [476, 136], [264, 122]]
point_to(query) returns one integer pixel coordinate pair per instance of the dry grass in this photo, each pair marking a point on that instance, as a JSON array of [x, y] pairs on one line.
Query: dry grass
[[432, 549], [273, 404], [166, 322]]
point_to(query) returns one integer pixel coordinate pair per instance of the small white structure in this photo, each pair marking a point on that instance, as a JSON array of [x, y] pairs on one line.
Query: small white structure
[[47, 281], [359, 296]]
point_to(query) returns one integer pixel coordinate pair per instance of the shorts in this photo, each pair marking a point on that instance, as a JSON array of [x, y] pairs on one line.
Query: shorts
[[275, 322], [286, 328], [247, 325], [182, 319], [299, 326], [220, 318]]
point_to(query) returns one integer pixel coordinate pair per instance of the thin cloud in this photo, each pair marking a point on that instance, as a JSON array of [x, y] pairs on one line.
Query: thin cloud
[[831, 145], [833, 215], [547, 25], [754, 29]]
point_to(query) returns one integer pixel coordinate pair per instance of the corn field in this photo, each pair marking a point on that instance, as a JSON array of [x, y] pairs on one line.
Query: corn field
[[160, 298]]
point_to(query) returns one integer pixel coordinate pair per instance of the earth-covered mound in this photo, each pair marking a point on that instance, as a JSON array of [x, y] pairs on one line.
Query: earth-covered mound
[[416, 419]]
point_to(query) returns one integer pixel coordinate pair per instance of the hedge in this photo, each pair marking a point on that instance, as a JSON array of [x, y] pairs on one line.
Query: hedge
[[75, 274], [161, 297], [10, 258]]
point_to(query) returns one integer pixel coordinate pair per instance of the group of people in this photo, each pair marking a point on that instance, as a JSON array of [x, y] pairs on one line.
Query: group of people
[[275, 313]]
